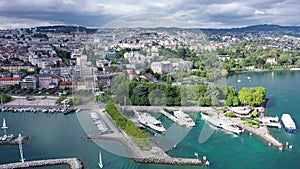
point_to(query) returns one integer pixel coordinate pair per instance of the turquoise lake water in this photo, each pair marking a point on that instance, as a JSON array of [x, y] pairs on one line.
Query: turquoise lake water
[[58, 135]]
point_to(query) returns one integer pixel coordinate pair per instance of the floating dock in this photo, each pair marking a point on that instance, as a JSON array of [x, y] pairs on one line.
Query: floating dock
[[73, 163]]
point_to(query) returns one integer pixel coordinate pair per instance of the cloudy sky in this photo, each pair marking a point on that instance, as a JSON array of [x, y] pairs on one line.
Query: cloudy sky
[[181, 13]]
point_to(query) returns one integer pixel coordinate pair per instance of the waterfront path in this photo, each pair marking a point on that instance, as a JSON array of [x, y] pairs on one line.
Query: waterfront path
[[73, 163]]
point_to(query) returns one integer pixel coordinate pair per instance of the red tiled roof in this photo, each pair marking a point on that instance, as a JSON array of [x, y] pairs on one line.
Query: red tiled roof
[[67, 83], [48, 75], [10, 79], [133, 72], [148, 75]]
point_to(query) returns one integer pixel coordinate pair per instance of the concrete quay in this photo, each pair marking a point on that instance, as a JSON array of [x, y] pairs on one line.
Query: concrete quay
[[73, 163]]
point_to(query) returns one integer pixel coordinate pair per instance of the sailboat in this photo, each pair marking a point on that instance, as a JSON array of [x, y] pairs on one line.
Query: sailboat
[[100, 164], [4, 124]]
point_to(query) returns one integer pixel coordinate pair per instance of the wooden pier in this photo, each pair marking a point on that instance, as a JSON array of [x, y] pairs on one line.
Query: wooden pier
[[73, 163]]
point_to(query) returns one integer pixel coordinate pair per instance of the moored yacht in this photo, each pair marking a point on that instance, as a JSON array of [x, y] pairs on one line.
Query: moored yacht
[[179, 114], [149, 121]]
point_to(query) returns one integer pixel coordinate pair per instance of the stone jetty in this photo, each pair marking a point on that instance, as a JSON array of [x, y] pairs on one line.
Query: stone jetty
[[172, 161], [73, 163]]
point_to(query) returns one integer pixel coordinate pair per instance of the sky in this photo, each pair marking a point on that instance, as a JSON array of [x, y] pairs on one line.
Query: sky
[[148, 13]]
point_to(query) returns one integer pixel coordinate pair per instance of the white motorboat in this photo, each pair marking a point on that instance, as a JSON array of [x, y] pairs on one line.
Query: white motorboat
[[179, 114], [149, 121]]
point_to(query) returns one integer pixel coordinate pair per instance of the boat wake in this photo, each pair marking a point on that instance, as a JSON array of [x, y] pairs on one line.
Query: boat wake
[[206, 132]]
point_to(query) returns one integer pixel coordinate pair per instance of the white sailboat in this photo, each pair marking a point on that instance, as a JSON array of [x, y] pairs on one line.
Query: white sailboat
[[100, 164], [4, 127]]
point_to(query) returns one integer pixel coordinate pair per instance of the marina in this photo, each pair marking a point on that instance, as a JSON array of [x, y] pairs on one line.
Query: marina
[[44, 109], [101, 125]]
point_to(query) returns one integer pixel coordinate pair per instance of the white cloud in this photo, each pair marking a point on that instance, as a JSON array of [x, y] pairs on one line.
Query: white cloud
[[259, 12]]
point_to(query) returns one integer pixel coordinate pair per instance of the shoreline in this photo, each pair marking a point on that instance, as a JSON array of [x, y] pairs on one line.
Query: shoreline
[[251, 71]]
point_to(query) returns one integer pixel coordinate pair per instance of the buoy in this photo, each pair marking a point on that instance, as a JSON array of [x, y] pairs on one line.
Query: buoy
[[175, 145], [196, 154], [269, 144], [250, 134], [207, 163]]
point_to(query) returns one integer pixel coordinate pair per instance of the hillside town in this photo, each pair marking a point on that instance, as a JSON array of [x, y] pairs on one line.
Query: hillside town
[[44, 60]]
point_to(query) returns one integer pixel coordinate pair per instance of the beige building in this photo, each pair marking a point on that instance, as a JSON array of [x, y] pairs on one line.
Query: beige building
[[81, 61]]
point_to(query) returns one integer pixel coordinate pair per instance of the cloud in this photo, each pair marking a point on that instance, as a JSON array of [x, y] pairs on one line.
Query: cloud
[[258, 12], [200, 13]]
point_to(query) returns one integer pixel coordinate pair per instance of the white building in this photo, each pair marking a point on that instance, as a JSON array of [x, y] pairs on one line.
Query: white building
[[164, 66]]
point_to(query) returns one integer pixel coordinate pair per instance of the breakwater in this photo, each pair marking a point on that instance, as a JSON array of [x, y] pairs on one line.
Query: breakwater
[[73, 163], [172, 161]]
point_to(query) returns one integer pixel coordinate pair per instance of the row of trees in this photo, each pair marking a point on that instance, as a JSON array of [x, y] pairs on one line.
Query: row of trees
[[146, 93], [140, 137]]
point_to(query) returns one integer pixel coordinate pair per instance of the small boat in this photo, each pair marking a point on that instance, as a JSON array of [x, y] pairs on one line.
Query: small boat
[[4, 127], [149, 121], [100, 164], [288, 123], [232, 128]]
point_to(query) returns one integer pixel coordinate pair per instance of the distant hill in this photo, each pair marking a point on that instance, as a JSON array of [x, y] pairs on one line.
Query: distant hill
[[65, 29], [258, 28], [252, 29]]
